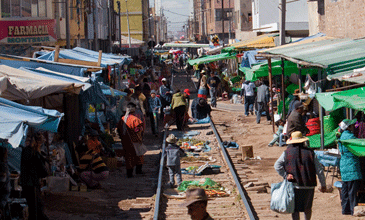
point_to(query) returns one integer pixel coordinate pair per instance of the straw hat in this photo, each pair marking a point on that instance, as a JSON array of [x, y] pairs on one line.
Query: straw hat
[[296, 138], [194, 195], [346, 123], [171, 139]]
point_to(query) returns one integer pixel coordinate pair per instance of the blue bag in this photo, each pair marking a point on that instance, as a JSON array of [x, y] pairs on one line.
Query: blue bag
[[282, 197]]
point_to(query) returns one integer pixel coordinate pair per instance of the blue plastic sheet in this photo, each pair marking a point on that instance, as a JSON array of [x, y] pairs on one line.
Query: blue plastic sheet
[[16, 118], [203, 121]]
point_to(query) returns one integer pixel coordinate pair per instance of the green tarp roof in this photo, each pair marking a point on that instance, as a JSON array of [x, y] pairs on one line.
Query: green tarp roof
[[262, 70], [334, 55], [212, 58], [354, 98]]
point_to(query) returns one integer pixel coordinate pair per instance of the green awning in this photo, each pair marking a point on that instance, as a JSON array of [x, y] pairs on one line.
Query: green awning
[[212, 58], [355, 146], [354, 98], [192, 45], [262, 70]]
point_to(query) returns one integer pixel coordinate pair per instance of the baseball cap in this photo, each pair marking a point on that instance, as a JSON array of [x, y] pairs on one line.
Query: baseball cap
[[164, 79], [187, 91]]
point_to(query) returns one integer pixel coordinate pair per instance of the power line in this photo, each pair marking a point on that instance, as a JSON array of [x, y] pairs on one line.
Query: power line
[[176, 13]]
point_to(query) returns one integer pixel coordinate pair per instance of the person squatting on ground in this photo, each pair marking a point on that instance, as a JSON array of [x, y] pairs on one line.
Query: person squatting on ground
[[248, 91], [154, 105], [263, 97], [179, 106], [213, 83], [173, 153], [197, 201], [349, 167], [200, 109], [276, 137], [130, 130], [296, 121], [299, 164], [32, 169], [93, 169]]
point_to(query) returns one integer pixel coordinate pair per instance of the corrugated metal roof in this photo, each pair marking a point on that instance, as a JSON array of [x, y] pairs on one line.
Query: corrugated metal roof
[[262, 41], [337, 56]]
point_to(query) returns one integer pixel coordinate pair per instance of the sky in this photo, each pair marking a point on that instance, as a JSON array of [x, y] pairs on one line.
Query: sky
[[176, 11]]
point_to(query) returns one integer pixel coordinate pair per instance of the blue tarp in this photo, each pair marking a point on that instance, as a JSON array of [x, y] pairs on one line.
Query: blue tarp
[[16, 118], [248, 58], [311, 37], [107, 90], [87, 55], [72, 70]]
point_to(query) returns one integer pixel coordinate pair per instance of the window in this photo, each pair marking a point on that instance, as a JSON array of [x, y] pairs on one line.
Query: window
[[23, 8], [218, 14]]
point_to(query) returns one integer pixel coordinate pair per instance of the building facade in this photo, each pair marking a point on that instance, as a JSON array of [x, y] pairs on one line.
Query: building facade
[[243, 19], [337, 18]]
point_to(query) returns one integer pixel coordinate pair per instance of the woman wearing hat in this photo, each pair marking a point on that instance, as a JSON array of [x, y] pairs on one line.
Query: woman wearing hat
[[298, 164], [350, 169]]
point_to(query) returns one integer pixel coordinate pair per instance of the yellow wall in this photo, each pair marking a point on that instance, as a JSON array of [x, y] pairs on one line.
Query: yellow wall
[[135, 20]]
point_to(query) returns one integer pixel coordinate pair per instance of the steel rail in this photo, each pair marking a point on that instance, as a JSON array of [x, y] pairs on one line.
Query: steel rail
[[159, 185], [249, 207]]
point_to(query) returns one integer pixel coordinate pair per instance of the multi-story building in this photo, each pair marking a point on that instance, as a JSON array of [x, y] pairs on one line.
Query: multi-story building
[[138, 15], [218, 19], [242, 18], [335, 18], [266, 17], [25, 23]]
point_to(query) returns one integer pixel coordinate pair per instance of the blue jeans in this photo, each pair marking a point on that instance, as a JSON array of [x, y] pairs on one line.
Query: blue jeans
[[274, 140], [213, 96], [262, 106], [249, 101], [172, 171], [348, 195]]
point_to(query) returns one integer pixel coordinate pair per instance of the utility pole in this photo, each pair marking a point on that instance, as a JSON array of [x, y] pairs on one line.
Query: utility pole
[[68, 44], [282, 22], [202, 17], [129, 30], [230, 16], [223, 22], [95, 27], [110, 28], [120, 26]]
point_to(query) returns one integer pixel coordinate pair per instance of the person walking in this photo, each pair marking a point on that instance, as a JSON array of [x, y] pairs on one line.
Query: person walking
[[295, 120], [213, 83], [299, 164], [202, 92], [349, 167], [263, 97], [173, 153], [32, 169], [130, 130], [248, 91], [154, 104], [197, 201], [178, 105], [165, 92]]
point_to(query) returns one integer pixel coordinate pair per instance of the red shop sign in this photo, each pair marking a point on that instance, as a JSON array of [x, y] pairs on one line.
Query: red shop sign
[[27, 32]]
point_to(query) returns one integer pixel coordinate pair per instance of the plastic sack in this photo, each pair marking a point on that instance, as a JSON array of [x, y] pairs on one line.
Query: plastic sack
[[282, 197]]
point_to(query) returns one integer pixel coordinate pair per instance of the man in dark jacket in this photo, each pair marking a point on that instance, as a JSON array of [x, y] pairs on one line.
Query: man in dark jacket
[[263, 97], [165, 92], [298, 164], [295, 120], [200, 109]]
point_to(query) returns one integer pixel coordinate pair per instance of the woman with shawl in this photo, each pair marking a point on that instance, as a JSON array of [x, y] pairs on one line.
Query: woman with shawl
[[130, 130]]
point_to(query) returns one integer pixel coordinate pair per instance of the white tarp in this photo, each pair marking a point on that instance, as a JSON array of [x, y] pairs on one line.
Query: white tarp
[[23, 85]]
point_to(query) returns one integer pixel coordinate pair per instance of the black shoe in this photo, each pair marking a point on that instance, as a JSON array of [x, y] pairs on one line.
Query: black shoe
[[139, 169], [129, 173]]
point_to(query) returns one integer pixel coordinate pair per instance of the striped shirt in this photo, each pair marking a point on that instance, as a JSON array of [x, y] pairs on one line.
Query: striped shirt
[[92, 161]]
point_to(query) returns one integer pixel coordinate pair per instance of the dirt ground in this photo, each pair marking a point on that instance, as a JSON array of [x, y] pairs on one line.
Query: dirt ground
[[245, 131]]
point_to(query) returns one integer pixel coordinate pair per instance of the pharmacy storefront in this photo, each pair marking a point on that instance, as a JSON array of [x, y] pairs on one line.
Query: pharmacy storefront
[[17, 36]]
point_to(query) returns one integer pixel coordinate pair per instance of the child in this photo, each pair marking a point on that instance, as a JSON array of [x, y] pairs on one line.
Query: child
[[275, 140], [154, 104], [173, 153]]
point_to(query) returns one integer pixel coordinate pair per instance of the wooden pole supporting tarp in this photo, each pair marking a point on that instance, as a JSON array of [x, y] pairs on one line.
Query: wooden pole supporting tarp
[[271, 96], [283, 115]]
